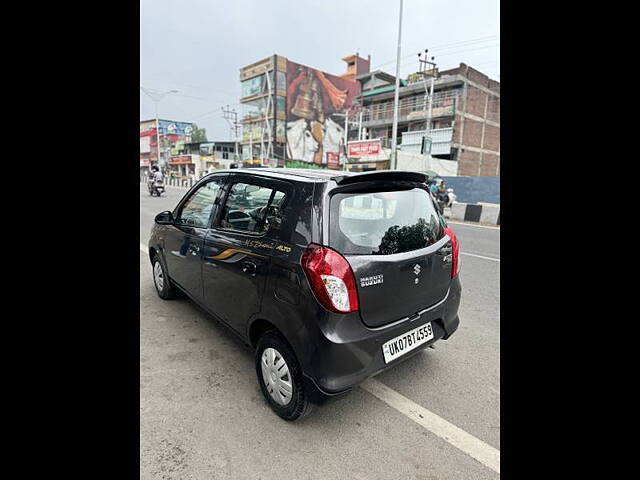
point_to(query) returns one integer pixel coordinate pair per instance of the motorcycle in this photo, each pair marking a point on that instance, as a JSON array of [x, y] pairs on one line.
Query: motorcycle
[[156, 187]]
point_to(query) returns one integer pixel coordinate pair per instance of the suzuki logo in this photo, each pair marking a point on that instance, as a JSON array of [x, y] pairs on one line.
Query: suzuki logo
[[416, 269]]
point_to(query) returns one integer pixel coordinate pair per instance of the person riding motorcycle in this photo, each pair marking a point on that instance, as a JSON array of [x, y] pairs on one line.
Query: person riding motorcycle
[[156, 181]]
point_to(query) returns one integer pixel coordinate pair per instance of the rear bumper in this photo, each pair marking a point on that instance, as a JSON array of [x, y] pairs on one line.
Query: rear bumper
[[349, 352]]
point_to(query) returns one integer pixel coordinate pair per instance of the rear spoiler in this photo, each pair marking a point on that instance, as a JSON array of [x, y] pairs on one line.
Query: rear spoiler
[[381, 175]]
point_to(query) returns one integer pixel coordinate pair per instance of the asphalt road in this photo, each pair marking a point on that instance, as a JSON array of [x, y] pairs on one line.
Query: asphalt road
[[202, 415]]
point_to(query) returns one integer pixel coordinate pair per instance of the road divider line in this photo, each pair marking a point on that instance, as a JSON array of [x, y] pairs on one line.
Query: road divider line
[[480, 256], [467, 443]]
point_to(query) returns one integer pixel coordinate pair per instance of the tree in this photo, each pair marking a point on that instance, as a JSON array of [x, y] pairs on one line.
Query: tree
[[198, 134]]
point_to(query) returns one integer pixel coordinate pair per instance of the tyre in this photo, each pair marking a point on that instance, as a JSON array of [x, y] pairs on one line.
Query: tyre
[[280, 377], [161, 280]]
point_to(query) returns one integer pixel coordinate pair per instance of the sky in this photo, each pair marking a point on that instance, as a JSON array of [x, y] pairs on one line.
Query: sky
[[198, 46]]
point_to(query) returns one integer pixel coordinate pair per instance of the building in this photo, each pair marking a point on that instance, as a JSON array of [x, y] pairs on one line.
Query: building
[[293, 115], [465, 118], [173, 136]]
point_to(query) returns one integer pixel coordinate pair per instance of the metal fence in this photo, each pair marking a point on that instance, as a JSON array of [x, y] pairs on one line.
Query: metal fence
[[172, 181]]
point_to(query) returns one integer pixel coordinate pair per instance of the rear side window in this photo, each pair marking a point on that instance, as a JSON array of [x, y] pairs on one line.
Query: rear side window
[[383, 223]]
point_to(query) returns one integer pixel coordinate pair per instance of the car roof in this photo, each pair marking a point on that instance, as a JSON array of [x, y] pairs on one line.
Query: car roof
[[298, 174], [318, 175]]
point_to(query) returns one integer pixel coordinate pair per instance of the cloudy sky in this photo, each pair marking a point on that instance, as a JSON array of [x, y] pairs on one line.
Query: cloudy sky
[[198, 46]]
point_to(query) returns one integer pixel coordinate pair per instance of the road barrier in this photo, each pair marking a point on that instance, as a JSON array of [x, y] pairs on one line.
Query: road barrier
[[476, 212], [173, 181]]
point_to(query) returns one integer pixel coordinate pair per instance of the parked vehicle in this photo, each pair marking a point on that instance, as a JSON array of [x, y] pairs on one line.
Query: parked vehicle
[[330, 276]]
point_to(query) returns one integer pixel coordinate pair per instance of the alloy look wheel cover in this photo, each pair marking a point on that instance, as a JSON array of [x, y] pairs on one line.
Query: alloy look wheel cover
[[158, 276], [276, 376]]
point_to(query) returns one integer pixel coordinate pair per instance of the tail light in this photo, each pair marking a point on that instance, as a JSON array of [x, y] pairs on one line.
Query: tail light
[[331, 279], [455, 247]]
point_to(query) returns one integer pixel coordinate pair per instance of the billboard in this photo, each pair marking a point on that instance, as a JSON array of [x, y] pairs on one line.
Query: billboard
[[313, 100], [175, 128]]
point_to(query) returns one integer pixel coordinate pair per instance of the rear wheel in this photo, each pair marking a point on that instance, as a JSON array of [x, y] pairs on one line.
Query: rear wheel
[[280, 377], [161, 280]]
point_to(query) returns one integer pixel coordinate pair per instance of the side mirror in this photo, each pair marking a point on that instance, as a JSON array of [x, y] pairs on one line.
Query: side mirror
[[164, 218]]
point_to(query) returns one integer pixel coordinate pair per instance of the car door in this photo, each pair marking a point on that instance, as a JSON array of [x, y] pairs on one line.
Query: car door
[[238, 246], [184, 239]]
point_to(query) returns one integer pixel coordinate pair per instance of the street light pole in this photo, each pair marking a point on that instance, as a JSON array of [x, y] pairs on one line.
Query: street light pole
[[394, 134]]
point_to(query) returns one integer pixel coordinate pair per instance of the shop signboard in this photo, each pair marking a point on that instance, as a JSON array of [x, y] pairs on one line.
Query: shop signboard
[[333, 160], [180, 160], [364, 148]]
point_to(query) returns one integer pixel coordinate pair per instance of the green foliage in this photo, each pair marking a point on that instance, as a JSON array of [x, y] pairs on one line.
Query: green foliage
[[198, 134], [300, 164]]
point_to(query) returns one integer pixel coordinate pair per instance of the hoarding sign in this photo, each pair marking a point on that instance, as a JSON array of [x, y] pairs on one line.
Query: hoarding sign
[[175, 128], [364, 149], [315, 104]]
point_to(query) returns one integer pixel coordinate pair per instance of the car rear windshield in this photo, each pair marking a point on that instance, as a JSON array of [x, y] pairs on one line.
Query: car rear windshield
[[384, 222]]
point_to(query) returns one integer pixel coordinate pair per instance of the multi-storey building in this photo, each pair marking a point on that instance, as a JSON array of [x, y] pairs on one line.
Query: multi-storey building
[[173, 135], [293, 114], [465, 124]]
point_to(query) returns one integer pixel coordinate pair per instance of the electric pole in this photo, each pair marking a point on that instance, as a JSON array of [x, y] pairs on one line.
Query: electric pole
[[394, 134], [231, 116], [427, 69], [156, 96]]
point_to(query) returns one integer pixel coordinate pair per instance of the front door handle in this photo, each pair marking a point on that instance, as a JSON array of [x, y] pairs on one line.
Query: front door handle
[[249, 268]]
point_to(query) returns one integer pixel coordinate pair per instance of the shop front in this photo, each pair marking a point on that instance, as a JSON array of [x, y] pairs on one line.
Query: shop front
[[181, 166], [366, 155]]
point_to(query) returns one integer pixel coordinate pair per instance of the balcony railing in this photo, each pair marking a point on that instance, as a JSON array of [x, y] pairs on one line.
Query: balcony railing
[[412, 108]]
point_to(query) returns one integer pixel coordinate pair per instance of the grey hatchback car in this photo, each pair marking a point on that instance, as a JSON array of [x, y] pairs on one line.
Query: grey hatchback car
[[331, 277]]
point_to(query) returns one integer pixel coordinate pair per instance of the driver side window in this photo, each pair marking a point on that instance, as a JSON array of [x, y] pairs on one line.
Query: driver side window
[[195, 212], [252, 208]]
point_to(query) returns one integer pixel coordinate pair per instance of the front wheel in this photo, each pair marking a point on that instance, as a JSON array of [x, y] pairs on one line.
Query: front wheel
[[280, 378], [161, 280]]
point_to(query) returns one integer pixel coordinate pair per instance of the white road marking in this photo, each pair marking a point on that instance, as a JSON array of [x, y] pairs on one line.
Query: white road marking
[[480, 256], [481, 451], [473, 225], [472, 446]]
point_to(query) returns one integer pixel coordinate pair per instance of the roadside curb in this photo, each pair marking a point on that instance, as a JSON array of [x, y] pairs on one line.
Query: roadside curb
[[477, 213]]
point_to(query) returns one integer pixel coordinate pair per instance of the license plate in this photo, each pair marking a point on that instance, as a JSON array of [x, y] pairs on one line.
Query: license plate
[[396, 347]]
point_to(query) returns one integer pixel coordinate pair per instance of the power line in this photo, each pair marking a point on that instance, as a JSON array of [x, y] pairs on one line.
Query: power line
[[445, 46]]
